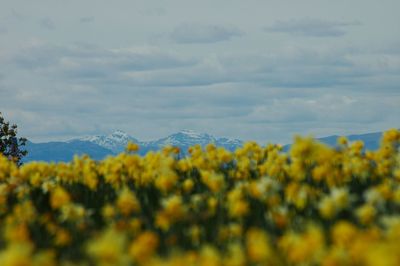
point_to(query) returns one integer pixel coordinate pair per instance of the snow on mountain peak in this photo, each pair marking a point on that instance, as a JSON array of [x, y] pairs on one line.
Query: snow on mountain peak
[[191, 133], [185, 138], [119, 133], [116, 141]]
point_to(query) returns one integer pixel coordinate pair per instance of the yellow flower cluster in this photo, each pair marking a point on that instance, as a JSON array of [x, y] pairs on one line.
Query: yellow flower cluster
[[312, 205]]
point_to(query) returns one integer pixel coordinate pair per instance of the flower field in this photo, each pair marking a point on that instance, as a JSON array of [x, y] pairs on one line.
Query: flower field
[[314, 205]]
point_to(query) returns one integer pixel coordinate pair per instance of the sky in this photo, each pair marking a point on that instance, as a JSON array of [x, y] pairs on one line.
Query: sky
[[261, 70]]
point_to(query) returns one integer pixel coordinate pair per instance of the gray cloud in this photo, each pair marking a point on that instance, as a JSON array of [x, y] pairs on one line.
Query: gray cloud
[[155, 11], [311, 27], [303, 69], [196, 33], [3, 30], [17, 15], [47, 23], [152, 67], [82, 62], [151, 90], [86, 19]]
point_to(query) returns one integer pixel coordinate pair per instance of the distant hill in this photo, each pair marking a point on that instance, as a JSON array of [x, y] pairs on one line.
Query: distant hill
[[63, 151], [371, 140]]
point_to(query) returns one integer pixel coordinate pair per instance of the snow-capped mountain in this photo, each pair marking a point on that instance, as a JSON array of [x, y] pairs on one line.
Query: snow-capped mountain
[[116, 141], [183, 138], [229, 144], [186, 138]]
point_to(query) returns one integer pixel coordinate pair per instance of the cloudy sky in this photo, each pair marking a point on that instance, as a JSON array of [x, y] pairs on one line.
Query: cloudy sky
[[256, 69]]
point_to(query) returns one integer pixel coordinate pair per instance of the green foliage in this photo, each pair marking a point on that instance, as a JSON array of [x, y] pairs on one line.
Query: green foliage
[[10, 145]]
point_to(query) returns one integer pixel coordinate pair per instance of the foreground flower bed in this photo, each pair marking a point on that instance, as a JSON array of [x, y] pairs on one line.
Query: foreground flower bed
[[314, 205]]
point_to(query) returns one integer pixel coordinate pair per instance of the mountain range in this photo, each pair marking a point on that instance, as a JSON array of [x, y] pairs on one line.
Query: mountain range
[[100, 146]]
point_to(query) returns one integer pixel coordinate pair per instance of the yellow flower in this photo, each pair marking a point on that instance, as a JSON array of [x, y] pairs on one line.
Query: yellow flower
[[173, 207], [162, 221], [108, 248], [195, 234], [238, 208], [25, 211], [341, 197], [166, 181], [343, 233], [209, 256], [320, 172], [59, 197], [173, 210], [223, 155], [303, 248], [144, 246], [132, 147], [17, 232], [235, 230], [183, 165], [72, 212], [108, 211], [16, 255], [327, 208], [235, 255], [297, 194], [127, 202], [212, 205], [336, 256], [280, 217], [391, 135], [62, 237], [35, 179], [90, 179], [212, 180], [256, 189], [45, 258], [342, 141], [383, 254], [366, 213], [396, 174], [188, 185], [357, 146], [257, 246]]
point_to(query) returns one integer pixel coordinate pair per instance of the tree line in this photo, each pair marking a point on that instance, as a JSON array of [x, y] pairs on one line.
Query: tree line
[[11, 146]]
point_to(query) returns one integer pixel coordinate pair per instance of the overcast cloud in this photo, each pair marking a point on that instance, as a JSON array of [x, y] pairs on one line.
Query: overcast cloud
[[47, 23], [312, 27], [195, 33], [86, 19], [262, 70]]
